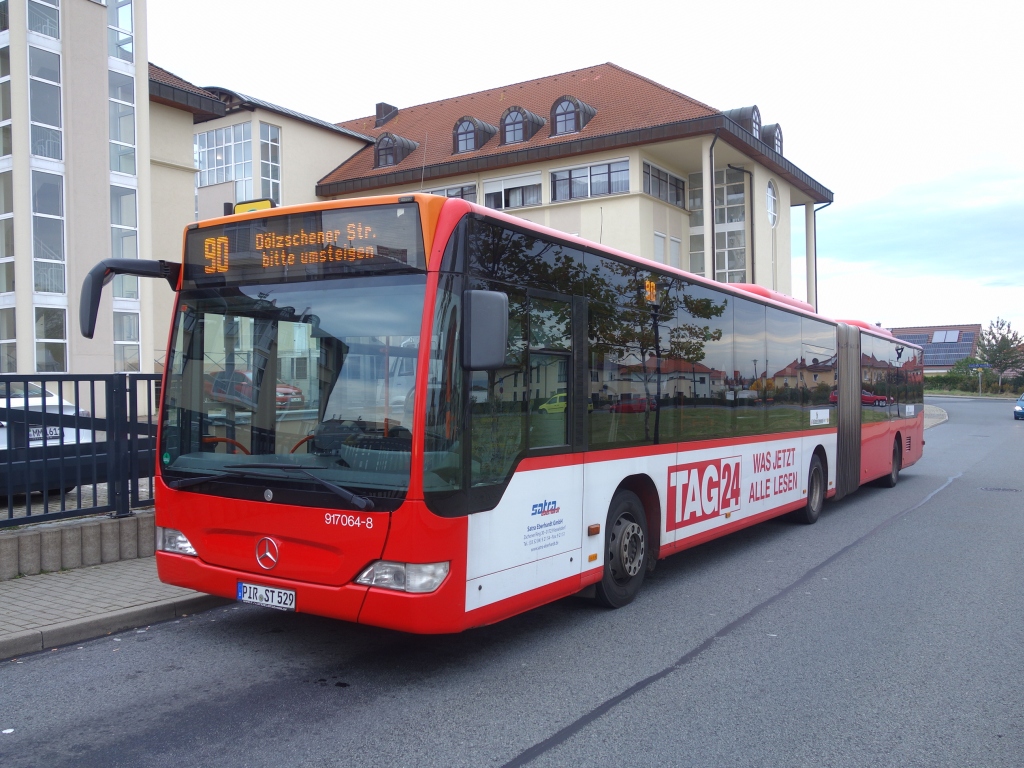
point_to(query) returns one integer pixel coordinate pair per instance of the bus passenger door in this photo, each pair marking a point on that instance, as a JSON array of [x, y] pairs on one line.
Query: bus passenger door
[[522, 419]]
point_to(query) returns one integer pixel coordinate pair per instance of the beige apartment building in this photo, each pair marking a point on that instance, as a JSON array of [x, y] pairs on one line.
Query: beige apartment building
[[610, 156], [103, 155], [74, 181]]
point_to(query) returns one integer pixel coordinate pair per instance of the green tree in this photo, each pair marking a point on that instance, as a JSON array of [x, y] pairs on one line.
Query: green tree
[[1001, 347]]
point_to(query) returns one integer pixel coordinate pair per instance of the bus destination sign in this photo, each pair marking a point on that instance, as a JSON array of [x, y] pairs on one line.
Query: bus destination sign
[[305, 246]]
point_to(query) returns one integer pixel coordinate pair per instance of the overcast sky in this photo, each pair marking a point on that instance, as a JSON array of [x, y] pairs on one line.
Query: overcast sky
[[908, 111]]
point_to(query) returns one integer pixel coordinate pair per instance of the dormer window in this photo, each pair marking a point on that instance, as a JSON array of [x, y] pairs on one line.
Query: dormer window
[[772, 136], [748, 118], [513, 127], [465, 137], [565, 117], [391, 150], [470, 134], [519, 124], [385, 151], [570, 115]]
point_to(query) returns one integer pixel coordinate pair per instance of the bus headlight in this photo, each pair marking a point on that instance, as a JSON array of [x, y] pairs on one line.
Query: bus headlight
[[170, 540], [404, 577]]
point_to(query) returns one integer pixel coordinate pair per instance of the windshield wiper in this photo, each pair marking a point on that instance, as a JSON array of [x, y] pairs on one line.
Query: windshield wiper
[[361, 502], [188, 482]]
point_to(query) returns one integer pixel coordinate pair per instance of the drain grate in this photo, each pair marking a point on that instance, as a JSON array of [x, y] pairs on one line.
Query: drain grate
[[1001, 490]]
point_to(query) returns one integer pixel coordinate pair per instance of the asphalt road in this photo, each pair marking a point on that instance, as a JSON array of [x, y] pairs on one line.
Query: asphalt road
[[888, 634]]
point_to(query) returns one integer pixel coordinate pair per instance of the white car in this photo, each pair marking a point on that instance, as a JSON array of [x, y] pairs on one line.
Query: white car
[[12, 417]]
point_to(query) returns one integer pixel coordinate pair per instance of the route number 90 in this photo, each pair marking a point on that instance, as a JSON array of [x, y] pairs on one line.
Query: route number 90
[[216, 253]]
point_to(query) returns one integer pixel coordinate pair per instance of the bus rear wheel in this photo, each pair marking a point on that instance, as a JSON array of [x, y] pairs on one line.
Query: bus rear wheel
[[625, 540], [890, 480], [815, 493]]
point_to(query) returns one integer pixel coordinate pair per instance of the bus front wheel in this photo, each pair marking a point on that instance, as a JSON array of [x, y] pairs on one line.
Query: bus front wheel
[[811, 511], [625, 548]]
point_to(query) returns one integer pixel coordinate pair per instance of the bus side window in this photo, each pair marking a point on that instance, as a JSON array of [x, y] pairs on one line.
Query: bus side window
[[783, 362], [750, 368]]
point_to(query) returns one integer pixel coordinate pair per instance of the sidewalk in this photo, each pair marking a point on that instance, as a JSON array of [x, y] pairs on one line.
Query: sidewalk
[[53, 609]]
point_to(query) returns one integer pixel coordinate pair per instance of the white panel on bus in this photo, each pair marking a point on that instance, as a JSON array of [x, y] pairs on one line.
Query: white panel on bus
[[515, 581], [539, 515]]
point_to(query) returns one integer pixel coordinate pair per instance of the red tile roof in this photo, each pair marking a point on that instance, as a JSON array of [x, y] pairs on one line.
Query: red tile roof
[[624, 101], [161, 75]]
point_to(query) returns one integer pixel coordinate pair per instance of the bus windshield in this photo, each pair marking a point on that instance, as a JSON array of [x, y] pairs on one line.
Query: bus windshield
[[315, 377]]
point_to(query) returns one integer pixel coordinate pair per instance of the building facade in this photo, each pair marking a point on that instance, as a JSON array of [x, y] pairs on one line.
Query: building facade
[[74, 180], [610, 156]]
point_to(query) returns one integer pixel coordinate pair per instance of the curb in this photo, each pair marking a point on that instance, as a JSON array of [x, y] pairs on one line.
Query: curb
[[54, 635], [941, 419]]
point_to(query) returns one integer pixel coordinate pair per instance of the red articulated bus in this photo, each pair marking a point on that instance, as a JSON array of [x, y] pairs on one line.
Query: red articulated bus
[[494, 415]]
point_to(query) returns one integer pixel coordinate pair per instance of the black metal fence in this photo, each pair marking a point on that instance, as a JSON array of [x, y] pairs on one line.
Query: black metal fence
[[74, 445]]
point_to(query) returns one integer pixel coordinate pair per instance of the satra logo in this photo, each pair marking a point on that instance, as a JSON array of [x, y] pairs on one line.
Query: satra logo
[[545, 508], [702, 490]]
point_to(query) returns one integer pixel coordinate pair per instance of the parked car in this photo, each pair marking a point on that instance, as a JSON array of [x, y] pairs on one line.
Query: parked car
[[236, 387], [45, 457], [1018, 408], [639, 405]]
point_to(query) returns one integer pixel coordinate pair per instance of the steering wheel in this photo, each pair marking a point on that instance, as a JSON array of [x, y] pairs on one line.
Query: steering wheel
[[228, 440]]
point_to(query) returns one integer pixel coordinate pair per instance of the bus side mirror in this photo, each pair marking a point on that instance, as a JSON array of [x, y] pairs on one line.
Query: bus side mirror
[[105, 271], [485, 335]]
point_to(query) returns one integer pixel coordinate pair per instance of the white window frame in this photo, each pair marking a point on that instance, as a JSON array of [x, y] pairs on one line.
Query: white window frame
[[695, 205], [772, 203], [675, 252], [508, 183], [60, 102], [119, 227], [660, 244], [63, 235], [42, 35], [123, 343], [9, 342], [201, 154], [730, 236], [589, 168], [648, 191], [9, 258], [5, 124], [269, 186], [135, 126], [459, 189], [46, 340], [113, 31]]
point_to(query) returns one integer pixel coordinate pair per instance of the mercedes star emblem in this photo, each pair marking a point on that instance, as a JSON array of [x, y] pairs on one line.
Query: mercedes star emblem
[[266, 553]]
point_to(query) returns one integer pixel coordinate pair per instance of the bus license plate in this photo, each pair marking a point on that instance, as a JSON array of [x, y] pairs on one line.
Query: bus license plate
[[268, 597], [36, 433]]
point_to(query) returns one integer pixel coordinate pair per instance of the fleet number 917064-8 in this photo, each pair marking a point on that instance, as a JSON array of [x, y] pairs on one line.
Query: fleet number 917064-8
[[350, 521]]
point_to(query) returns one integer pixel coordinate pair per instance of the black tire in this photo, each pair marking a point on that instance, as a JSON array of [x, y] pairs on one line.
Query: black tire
[[816, 480], [890, 480], [626, 551]]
